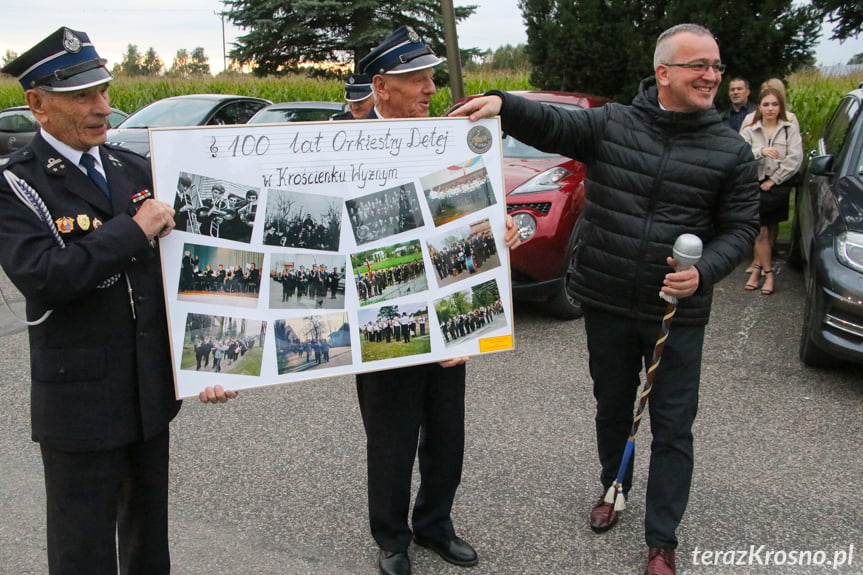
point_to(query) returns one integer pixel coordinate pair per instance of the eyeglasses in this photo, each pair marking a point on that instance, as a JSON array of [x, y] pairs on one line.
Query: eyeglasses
[[700, 68]]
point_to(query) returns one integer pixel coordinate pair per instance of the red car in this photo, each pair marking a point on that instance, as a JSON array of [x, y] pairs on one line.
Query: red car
[[545, 195]]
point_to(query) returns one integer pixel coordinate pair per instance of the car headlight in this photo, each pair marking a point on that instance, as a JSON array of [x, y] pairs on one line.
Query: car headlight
[[849, 250], [526, 225], [544, 182]]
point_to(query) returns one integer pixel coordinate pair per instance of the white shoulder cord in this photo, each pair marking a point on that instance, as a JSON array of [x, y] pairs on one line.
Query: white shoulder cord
[[30, 198]]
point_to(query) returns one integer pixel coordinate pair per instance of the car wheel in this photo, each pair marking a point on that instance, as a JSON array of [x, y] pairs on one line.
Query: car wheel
[[809, 353], [795, 253], [564, 304]]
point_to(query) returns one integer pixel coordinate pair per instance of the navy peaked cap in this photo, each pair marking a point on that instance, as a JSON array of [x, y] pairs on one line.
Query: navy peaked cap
[[400, 52], [62, 62], [358, 88]]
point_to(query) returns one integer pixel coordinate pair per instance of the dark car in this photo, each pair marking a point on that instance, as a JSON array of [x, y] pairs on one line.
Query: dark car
[[18, 126], [189, 110], [545, 195], [297, 112], [827, 239]]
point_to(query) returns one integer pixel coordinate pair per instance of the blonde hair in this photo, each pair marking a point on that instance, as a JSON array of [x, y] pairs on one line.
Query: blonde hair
[[774, 83]]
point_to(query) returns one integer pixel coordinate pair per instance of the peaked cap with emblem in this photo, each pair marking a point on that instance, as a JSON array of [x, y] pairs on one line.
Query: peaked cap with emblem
[[358, 88], [401, 52], [62, 62]]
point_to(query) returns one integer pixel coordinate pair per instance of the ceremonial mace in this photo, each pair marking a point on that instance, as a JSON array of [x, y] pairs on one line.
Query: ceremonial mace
[[686, 252]]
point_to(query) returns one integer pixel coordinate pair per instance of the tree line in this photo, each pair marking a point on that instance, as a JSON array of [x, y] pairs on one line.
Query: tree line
[[603, 47], [134, 63]]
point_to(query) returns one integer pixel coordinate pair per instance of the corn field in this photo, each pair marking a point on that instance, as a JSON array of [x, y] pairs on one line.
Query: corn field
[[129, 94], [810, 95]]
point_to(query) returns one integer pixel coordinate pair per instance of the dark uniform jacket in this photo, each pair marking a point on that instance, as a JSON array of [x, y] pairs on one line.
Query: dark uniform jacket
[[652, 175], [100, 379]]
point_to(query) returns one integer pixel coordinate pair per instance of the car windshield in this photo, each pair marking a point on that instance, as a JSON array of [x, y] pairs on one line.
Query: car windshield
[[276, 115], [166, 113], [513, 148]]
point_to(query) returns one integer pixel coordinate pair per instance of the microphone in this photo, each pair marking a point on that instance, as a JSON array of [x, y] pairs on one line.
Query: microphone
[[686, 253]]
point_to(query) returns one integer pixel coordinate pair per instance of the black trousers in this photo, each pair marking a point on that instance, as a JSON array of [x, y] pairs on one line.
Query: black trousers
[[102, 502], [410, 411], [620, 348]]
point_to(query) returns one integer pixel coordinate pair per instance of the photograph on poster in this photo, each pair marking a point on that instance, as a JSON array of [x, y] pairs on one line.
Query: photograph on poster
[[389, 272], [221, 276], [307, 281], [313, 342], [299, 220], [216, 208], [469, 314], [385, 213], [220, 344], [394, 331], [462, 252], [458, 190]]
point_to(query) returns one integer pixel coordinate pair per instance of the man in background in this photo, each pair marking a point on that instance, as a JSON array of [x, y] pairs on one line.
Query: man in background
[[358, 93], [738, 93]]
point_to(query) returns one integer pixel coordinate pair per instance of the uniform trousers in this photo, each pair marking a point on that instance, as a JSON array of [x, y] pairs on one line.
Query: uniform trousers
[[409, 412], [620, 348], [99, 502]]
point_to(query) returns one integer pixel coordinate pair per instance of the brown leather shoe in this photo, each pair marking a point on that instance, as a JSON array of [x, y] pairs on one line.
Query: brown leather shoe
[[660, 562], [603, 516]]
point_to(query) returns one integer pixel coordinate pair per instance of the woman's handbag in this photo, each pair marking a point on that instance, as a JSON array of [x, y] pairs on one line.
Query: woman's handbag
[[775, 199]]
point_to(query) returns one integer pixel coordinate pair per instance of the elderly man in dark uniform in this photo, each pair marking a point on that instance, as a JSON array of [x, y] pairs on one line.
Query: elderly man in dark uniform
[[358, 94], [421, 405], [79, 234]]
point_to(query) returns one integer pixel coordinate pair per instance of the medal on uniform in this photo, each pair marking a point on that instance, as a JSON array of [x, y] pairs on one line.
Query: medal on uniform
[[141, 196], [83, 221], [97, 223], [65, 225]]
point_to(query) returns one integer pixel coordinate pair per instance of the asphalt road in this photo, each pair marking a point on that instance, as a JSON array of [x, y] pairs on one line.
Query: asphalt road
[[274, 482]]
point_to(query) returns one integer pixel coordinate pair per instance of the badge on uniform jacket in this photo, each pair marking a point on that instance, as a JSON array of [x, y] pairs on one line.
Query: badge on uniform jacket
[[83, 221], [65, 225], [97, 223]]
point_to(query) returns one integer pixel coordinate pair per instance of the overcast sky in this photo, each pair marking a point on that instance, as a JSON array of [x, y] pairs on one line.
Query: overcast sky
[[169, 25]]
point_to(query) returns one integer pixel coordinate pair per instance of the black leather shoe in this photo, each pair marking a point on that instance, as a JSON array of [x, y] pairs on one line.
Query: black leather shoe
[[456, 551], [394, 563]]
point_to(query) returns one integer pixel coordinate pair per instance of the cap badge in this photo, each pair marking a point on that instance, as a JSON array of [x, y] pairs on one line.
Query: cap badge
[[412, 35], [71, 42]]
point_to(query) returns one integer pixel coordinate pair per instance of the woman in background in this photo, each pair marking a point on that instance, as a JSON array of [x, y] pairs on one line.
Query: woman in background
[[777, 146]]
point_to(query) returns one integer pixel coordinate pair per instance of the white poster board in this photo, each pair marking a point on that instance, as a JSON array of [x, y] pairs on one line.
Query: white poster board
[[310, 250]]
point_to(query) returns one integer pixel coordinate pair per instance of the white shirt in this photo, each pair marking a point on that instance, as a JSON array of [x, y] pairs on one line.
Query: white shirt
[[74, 155]]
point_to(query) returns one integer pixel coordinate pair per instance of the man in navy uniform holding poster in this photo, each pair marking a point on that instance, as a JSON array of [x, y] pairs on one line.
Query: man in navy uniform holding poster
[[417, 405], [84, 245]]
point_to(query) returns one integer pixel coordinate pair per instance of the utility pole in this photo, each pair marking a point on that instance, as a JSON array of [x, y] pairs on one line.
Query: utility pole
[[222, 15], [456, 85]]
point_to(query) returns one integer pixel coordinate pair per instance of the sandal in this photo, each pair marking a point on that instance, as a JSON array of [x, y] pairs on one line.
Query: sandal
[[765, 291], [756, 271]]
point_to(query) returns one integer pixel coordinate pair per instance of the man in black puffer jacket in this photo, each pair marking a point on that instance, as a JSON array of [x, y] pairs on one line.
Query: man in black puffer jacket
[[664, 166]]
